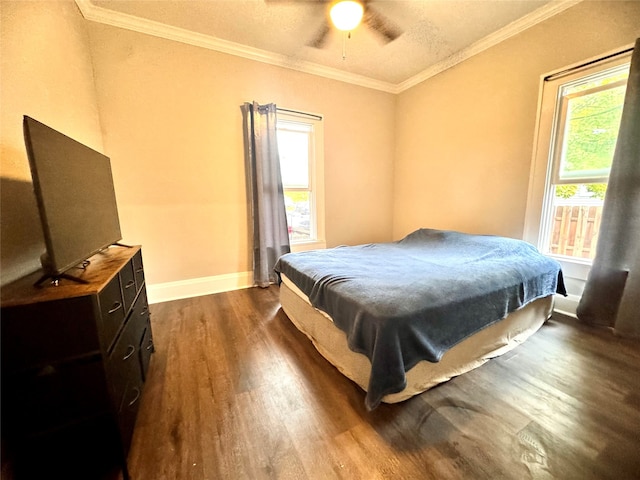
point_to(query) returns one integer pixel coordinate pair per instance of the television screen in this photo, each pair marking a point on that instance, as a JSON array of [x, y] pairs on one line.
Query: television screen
[[74, 190]]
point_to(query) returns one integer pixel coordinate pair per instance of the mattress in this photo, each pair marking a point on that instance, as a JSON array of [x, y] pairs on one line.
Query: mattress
[[414, 299], [490, 342]]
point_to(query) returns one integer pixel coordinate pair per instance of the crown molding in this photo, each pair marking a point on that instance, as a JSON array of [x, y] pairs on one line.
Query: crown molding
[[150, 27], [539, 15], [122, 20]]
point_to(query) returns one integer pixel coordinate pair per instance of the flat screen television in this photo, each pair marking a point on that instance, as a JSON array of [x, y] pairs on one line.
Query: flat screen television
[[76, 198]]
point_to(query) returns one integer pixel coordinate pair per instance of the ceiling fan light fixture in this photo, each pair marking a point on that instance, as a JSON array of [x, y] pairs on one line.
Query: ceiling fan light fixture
[[346, 14]]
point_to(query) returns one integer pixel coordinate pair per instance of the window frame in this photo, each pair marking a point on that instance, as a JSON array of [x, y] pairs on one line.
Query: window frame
[[556, 152], [575, 270], [547, 151], [315, 126]]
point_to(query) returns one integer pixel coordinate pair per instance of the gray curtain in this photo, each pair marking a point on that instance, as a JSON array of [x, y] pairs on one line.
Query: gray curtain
[[266, 195], [612, 293]]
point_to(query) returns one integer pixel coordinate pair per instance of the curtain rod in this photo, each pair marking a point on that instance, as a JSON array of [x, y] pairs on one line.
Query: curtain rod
[[570, 70], [296, 112]]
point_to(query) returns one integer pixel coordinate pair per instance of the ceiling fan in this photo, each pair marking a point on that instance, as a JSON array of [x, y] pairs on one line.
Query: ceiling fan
[[346, 15]]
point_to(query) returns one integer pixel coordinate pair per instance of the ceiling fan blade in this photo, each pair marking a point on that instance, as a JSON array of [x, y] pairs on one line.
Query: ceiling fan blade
[[381, 24], [321, 37]]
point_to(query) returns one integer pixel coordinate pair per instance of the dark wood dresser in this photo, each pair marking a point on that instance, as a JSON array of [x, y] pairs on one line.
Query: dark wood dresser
[[74, 360]]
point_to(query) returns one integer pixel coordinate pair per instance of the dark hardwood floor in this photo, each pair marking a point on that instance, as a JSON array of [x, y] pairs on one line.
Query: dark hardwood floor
[[236, 392]]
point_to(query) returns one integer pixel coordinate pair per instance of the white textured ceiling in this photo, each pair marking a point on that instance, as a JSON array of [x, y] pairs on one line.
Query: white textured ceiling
[[436, 33]]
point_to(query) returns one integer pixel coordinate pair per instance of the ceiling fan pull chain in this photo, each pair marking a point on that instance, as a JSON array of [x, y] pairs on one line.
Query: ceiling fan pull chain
[[345, 36], [344, 45]]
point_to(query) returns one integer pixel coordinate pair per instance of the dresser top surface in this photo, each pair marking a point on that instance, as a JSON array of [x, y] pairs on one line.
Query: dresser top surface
[[102, 268]]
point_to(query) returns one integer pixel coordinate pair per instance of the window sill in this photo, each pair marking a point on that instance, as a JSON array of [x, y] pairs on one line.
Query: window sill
[[573, 267]]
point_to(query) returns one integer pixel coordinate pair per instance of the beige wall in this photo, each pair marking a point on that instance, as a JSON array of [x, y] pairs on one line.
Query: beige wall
[[452, 152], [46, 73], [172, 126], [464, 138]]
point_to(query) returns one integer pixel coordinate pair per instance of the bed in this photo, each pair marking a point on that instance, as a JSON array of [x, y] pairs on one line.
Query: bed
[[398, 318]]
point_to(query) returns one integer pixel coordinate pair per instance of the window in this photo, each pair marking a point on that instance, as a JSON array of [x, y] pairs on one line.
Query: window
[[577, 132], [588, 112], [300, 145]]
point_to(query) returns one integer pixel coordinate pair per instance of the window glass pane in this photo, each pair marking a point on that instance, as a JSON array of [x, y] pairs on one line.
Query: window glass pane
[[298, 208], [591, 127], [300, 145], [575, 220], [293, 147]]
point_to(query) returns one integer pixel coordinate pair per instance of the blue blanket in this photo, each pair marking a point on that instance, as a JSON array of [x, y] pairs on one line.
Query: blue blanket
[[412, 300]]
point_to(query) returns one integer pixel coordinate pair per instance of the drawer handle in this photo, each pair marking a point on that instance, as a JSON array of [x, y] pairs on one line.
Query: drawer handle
[[136, 397], [150, 346], [116, 306], [144, 310], [130, 351], [130, 284], [140, 270]]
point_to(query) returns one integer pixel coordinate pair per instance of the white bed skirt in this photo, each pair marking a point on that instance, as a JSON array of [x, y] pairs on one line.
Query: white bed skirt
[[472, 352]]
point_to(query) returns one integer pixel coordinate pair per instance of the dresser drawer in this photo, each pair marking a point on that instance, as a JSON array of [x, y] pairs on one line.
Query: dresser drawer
[[128, 412], [140, 317], [128, 283], [124, 362], [146, 349], [141, 310], [112, 311], [138, 269]]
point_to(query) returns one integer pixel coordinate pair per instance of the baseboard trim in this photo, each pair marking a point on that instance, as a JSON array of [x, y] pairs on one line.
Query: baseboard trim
[[165, 292]]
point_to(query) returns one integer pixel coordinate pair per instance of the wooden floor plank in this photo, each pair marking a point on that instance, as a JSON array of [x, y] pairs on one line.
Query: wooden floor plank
[[234, 391]]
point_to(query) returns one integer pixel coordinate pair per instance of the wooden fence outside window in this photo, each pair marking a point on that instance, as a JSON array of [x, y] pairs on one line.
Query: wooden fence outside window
[[575, 230]]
